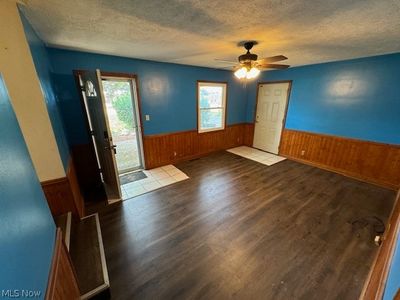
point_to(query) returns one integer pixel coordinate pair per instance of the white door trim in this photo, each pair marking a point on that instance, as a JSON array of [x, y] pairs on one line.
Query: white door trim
[[135, 96]]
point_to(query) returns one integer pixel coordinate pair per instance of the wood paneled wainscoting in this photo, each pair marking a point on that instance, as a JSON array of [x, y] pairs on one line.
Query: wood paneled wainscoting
[[248, 134], [63, 194], [372, 162], [163, 149], [62, 279]]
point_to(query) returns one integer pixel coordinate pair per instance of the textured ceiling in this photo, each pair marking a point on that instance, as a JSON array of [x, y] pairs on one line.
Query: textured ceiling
[[198, 31]]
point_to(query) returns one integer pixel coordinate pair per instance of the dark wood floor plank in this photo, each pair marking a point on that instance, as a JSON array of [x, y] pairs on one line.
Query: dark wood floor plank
[[239, 229]]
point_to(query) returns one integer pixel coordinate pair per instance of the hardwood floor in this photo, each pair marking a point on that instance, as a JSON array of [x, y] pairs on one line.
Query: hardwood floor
[[239, 229]]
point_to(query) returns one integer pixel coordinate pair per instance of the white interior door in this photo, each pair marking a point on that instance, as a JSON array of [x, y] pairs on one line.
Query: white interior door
[[271, 108], [98, 120]]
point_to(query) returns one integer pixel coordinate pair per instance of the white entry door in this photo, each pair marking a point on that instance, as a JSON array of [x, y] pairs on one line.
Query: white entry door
[[271, 109]]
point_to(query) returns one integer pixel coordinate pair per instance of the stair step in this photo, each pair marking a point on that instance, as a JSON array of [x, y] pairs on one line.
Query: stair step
[[64, 222], [87, 254]]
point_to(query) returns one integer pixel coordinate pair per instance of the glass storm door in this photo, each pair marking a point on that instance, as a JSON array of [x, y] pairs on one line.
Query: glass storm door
[[122, 113]]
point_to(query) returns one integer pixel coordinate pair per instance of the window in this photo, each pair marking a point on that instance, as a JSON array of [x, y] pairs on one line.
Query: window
[[211, 106]]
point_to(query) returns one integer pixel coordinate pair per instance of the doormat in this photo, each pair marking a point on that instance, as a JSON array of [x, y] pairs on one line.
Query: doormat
[[131, 177]]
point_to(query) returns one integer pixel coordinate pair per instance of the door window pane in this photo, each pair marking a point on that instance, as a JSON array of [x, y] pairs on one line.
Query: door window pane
[[122, 122]]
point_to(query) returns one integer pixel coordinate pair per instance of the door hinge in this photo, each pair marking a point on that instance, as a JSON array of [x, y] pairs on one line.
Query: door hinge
[[82, 88], [91, 132], [100, 170]]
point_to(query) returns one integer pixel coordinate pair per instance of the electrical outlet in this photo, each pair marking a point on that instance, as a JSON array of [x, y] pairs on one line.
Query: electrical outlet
[[147, 117], [174, 153], [303, 152]]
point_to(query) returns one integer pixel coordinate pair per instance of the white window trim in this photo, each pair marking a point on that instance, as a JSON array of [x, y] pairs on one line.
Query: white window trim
[[224, 85]]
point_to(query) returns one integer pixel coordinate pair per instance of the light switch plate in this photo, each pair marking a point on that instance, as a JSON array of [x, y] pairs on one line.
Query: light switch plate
[[147, 117]]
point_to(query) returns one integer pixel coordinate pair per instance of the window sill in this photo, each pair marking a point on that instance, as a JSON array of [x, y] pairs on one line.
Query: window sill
[[212, 130]]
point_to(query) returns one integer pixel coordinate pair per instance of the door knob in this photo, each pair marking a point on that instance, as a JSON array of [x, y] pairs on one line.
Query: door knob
[[112, 147]]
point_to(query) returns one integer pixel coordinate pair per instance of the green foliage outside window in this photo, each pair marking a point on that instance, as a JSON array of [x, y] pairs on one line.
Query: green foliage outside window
[[123, 106], [118, 94]]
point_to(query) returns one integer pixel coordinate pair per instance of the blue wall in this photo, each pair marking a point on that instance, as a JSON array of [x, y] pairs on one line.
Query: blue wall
[[43, 70], [167, 91], [27, 229], [357, 98]]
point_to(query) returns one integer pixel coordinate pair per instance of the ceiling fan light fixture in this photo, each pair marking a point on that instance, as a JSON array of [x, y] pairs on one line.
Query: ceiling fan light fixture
[[241, 73], [253, 73], [250, 66], [244, 72]]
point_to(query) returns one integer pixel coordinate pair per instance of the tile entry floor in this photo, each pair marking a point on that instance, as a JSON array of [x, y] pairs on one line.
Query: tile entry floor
[[257, 155], [156, 178]]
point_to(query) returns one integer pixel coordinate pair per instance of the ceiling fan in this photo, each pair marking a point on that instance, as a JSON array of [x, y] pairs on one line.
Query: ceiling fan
[[250, 66]]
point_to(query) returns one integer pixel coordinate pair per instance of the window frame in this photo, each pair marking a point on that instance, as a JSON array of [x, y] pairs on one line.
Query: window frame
[[223, 84]]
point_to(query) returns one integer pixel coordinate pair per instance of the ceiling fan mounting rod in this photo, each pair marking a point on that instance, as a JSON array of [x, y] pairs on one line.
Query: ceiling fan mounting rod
[[248, 46]]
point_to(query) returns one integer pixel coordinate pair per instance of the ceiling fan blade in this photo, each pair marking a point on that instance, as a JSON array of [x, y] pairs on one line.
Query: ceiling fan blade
[[226, 61], [230, 68], [273, 66], [267, 60]]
